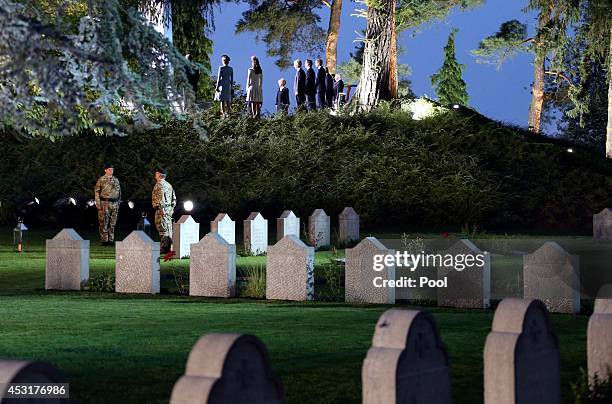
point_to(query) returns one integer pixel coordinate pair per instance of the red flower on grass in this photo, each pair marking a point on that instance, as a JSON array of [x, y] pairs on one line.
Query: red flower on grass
[[168, 256], [445, 234]]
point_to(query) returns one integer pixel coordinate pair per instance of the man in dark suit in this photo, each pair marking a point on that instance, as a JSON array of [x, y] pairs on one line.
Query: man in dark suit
[[311, 86], [282, 97], [320, 84], [299, 84]]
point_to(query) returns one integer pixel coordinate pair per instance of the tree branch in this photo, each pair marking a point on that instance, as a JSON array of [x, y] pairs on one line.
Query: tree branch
[[559, 74]]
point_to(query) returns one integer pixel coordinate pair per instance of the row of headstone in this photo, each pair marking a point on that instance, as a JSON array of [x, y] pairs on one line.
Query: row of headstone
[[550, 274], [406, 363], [255, 228]]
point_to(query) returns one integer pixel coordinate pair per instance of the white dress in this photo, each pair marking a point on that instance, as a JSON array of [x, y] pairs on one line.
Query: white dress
[[254, 87]]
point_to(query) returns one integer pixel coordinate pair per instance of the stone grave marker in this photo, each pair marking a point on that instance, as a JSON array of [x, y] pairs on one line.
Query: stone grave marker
[[602, 225], [359, 274], [290, 270], [407, 362], [24, 371], [67, 261], [225, 226], [348, 223], [319, 229], [228, 368], [521, 355], [599, 335], [256, 234], [212, 267], [137, 264], [466, 286], [287, 223], [185, 232], [552, 275]]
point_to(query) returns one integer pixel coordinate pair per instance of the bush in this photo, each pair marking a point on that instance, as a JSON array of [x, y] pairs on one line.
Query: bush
[[597, 391], [255, 285], [449, 171], [104, 282]]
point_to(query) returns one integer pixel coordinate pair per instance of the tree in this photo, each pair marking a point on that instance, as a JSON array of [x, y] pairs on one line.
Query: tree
[[448, 83], [548, 47], [107, 75], [285, 27], [387, 18]]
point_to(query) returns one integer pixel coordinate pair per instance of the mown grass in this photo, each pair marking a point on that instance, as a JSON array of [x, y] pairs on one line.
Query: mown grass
[[131, 349]]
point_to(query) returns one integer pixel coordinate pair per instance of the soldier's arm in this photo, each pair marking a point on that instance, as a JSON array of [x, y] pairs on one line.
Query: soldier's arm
[[119, 189], [173, 199], [97, 193], [156, 196]]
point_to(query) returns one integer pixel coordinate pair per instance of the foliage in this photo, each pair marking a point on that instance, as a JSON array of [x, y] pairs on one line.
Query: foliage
[[504, 44], [104, 282], [598, 390], [255, 285], [452, 169], [181, 279], [447, 81], [106, 75], [285, 27]]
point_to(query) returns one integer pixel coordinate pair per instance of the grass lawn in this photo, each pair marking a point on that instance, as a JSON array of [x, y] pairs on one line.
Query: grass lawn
[[132, 349]]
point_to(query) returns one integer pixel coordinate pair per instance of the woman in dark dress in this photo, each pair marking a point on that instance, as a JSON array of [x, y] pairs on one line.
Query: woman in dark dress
[[329, 89]]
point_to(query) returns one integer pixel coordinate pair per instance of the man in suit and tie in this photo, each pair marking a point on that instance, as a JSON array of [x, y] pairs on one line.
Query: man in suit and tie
[[311, 86], [320, 84], [299, 84]]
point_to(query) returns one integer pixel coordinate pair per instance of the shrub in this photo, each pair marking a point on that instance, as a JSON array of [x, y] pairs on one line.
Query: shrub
[[255, 285], [597, 391], [104, 282]]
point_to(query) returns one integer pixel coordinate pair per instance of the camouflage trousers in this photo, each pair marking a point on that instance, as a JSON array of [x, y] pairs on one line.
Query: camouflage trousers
[[107, 218], [163, 222]]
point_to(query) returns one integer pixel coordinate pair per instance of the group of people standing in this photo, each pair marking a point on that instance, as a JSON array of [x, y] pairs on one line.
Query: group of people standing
[[312, 89]]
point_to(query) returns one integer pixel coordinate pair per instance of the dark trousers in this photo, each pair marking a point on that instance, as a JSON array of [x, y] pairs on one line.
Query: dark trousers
[[321, 99], [282, 109], [311, 102], [300, 99]]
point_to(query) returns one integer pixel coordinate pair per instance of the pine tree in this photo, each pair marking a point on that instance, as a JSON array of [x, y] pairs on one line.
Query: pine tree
[[449, 85]]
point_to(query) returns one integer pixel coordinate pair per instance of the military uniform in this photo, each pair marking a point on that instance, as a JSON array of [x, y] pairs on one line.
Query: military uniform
[[107, 195], [164, 201]]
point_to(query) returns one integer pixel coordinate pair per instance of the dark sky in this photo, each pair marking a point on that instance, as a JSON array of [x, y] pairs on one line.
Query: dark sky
[[501, 94]]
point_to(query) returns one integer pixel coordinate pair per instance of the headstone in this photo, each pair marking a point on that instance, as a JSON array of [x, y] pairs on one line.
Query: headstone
[[228, 368], [225, 226], [407, 362], [212, 267], [290, 270], [466, 287], [20, 372], [319, 229], [602, 225], [599, 336], [185, 231], [360, 273], [137, 264], [348, 223], [552, 275], [256, 234], [521, 355], [288, 223], [67, 261]]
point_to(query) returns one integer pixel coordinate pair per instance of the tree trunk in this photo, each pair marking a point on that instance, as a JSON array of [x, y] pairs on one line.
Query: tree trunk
[[537, 94], [331, 49], [609, 127], [537, 88], [374, 83], [393, 79]]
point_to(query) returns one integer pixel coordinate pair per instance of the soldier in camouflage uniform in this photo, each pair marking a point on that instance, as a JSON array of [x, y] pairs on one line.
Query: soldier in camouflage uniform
[[107, 195], [163, 200]]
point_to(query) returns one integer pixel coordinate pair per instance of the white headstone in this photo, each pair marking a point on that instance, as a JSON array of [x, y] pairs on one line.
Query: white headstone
[[256, 234], [288, 223], [212, 267], [290, 270], [137, 264], [319, 229], [186, 231], [225, 226], [67, 261], [521, 356], [552, 275], [602, 225], [407, 362], [599, 335], [348, 225], [360, 273]]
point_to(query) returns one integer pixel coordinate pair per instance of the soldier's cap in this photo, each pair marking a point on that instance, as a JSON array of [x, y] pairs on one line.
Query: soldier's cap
[[161, 170], [108, 165]]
